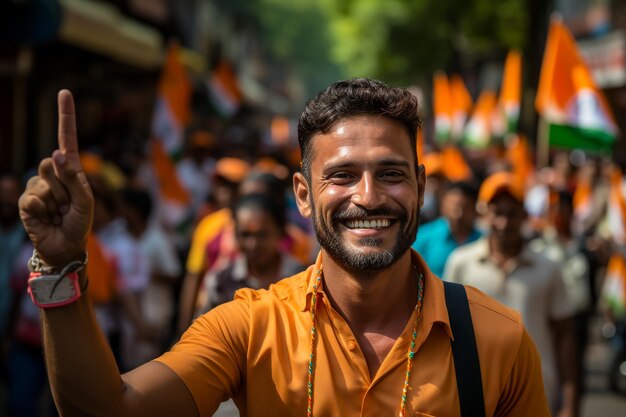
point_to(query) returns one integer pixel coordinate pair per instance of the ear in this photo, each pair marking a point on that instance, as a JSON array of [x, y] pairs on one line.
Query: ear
[[421, 184], [301, 192]]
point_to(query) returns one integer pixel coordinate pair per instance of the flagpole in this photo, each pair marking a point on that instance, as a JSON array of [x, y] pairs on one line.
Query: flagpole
[[543, 143]]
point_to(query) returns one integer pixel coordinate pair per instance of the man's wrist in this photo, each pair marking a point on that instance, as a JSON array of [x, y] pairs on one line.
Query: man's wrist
[[36, 264], [51, 287]]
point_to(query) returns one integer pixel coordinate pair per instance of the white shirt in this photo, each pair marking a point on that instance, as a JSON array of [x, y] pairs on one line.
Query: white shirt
[[533, 286]]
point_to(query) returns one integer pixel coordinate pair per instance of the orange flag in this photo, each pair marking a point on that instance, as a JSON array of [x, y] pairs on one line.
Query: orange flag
[[169, 184], [511, 90], [461, 106], [582, 199], [420, 144], [479, 130], [614, 287], [453, 164], [520, 157], [172, 110], [617, 207], [576, 110], [442, 107], [171, 115], [101, 272], [224, 89]]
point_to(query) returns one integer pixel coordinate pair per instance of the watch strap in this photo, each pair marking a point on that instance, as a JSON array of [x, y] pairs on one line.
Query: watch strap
[[50, 291]]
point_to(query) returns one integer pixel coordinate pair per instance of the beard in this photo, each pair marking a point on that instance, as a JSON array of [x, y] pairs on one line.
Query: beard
[[331, 240]]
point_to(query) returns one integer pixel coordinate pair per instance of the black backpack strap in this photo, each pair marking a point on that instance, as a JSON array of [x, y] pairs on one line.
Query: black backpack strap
[[466, 363]]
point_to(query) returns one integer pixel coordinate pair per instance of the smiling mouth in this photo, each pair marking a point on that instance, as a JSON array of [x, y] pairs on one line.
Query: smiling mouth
[[367, 224]]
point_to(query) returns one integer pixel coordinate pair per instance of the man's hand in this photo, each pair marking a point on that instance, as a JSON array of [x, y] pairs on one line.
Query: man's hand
[[57, 205]]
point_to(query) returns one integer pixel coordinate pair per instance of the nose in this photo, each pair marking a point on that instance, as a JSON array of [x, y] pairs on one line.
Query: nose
[[501, 222], [367, 193]]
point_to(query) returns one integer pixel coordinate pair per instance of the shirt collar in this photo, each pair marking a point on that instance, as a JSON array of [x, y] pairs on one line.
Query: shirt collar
[[311, 277], [525, 258], [434, 307]]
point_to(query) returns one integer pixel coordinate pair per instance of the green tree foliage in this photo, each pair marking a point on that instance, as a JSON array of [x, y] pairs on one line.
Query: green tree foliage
[[404, 41], [400, 41], [297, 32]]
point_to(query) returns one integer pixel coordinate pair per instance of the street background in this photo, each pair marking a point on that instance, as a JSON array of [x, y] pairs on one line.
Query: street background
[[182, 100]]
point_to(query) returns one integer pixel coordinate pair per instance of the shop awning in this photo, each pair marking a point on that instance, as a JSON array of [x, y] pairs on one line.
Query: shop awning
[[102, 28]]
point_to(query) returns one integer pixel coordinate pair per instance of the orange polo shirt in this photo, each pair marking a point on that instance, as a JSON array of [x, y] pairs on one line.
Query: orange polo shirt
[[255, 350]]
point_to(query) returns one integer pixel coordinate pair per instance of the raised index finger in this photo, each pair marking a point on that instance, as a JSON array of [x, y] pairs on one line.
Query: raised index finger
[[68, 143]]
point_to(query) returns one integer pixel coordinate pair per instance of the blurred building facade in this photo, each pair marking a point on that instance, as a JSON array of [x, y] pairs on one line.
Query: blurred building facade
[[110, 53]]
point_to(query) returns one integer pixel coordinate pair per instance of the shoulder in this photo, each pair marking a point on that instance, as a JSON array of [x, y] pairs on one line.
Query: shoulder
[[486, 307], [499, 329], [212, 223], [501, 338], [541, 263]]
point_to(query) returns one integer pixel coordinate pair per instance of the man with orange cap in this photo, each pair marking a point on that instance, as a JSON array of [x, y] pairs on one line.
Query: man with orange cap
[[502, 265]]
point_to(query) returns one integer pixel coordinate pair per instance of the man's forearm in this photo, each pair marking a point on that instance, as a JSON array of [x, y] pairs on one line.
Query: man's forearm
[[83, 374]]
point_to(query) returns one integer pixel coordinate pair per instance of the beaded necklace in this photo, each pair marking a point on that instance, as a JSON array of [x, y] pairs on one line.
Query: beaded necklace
[[410, 354]]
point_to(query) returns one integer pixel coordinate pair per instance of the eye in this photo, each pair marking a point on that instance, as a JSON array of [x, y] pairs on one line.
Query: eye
[[392, 175], [341, 177]]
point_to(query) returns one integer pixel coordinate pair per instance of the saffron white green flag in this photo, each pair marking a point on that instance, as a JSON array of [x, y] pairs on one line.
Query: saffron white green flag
[[576, 110], [171, 114]]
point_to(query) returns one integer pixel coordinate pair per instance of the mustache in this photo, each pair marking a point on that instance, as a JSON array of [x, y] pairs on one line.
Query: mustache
[[359, 212]]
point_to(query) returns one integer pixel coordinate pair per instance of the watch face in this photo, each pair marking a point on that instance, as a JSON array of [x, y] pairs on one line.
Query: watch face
[[48, 290]]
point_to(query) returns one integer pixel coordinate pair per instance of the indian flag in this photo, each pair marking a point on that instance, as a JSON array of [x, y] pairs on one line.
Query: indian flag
[[583, 200], [442, 107], [224, 91], [461, 106], [172, 113], [453, 164], [518, 151], [614, 287], [483, 123], [616, 210], [568, 99], [511, 90], [519, 155]]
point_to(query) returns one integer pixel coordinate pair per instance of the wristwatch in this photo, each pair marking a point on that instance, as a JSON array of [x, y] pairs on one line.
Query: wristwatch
[[48, 289]]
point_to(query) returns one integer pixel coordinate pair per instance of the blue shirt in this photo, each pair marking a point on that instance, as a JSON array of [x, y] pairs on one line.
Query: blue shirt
[[435, 243]]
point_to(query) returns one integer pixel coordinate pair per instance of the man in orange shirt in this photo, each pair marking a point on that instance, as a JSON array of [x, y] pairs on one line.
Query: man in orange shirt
[[365, 331]]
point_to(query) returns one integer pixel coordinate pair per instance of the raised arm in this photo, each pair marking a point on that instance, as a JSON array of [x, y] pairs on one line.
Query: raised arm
[[57, 211]]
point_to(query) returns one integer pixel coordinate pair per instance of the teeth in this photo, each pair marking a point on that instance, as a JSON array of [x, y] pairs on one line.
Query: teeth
[[368, 224]]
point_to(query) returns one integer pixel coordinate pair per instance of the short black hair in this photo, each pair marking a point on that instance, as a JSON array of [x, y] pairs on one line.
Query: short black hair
[[138, 199], [355, 97], [263, 202], [467, 188]]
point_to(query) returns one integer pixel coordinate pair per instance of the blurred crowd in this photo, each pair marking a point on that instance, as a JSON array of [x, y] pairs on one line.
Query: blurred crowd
[[541, 243]]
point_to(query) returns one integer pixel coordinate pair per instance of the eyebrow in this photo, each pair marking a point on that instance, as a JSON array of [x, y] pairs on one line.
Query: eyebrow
[[383, 162]]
